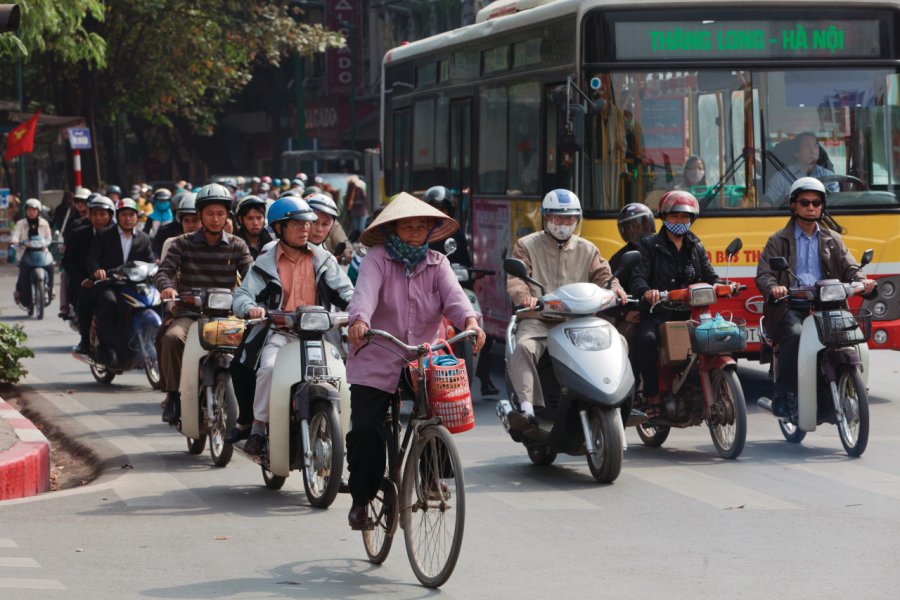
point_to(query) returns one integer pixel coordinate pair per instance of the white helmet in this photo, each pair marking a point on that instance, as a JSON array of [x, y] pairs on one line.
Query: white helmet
[[807, 184], [323, 204], [34, 203], [561, 202]]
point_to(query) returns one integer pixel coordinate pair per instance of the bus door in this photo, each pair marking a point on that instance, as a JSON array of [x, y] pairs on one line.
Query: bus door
[[461, 156]]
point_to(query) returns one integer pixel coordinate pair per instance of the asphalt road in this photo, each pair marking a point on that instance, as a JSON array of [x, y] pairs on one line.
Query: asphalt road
[[781, 521]]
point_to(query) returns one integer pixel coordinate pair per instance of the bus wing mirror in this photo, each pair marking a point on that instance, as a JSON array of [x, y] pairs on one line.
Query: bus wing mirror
[[571, 136]]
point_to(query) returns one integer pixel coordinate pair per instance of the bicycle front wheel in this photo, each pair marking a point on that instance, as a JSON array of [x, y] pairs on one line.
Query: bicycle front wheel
[[433, 506]]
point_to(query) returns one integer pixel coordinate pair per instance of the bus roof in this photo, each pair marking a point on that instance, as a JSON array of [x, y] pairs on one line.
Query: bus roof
[[508, 15]]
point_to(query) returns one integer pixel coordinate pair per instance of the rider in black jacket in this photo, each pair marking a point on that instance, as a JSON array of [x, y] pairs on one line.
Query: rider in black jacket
[[673, 258]]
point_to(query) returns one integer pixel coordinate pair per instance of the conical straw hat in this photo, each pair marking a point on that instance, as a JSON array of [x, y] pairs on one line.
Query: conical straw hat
[[404, 206]]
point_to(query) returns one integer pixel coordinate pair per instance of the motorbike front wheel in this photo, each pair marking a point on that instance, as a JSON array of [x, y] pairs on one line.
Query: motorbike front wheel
[[146, 340], [854, 403], [652, 435], [101, 372], [38, 295], [224, 417], [322, 480], [541, 456], [791, 432], [196, 446], [728, 418], [606, 463]]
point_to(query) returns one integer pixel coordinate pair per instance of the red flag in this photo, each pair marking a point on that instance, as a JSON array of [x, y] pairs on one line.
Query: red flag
[[21, 139]]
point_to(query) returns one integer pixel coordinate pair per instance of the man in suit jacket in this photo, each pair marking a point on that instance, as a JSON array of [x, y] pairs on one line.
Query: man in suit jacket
[[75, 262], [113, 248]]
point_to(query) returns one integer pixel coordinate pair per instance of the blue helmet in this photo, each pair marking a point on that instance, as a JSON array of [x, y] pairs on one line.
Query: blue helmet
[[290, 208]]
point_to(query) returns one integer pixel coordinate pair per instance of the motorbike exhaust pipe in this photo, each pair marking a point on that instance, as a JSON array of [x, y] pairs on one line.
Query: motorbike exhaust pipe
[[765, 404], [83, 358]]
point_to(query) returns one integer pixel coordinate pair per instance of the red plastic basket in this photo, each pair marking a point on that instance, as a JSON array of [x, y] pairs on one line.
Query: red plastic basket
[[449, 396]]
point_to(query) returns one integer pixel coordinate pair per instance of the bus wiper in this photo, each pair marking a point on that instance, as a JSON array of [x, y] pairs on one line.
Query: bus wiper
[[728, 174]]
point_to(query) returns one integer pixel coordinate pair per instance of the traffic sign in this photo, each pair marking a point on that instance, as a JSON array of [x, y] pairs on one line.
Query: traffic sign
[[80, 138]]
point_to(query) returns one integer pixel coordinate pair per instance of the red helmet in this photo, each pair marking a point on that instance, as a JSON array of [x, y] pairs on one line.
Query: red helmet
[[679, 201]]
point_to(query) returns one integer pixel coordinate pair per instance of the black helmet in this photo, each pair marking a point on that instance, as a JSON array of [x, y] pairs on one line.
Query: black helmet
[[113, 189], [635, 222], [213, 193], [440, 198]]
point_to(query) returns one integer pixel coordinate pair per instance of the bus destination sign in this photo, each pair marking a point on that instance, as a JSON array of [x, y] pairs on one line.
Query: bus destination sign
[[723, 40]]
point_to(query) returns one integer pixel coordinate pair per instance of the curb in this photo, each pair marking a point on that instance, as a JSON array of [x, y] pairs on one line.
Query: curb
[[25, 466]]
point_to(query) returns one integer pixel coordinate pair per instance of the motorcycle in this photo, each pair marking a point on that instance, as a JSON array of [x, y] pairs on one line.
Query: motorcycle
[[832, 362], [307, 403], [209, 406], [37, 258], [585, 376], [138, 299], [702, 384]]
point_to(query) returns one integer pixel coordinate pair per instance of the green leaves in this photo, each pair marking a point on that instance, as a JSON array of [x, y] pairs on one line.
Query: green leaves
[[60, 28], [12, 350]]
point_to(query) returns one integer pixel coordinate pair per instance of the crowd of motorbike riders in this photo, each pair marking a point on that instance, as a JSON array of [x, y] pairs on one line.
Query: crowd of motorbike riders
[[281, 245]]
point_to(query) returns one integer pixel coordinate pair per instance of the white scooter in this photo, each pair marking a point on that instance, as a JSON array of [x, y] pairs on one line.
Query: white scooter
[[585, 376], [309, 405], [832, 362]]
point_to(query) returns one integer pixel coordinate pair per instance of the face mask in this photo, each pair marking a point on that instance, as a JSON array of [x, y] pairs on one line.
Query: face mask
[[694, 177], [560, 232], [678, 229], [162, 206]]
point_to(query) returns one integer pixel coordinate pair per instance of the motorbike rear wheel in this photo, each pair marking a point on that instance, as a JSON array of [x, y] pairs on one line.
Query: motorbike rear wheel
[[653, 435], [224, 418], [147, 349], [384, 511], [102, 374], [854, 401], [433, 506], [327, 446], [541, 456], [728, 421], [606, 463], [791, 432]]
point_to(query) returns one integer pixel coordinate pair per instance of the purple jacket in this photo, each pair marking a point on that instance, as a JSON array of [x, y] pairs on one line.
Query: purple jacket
[[410, 309]]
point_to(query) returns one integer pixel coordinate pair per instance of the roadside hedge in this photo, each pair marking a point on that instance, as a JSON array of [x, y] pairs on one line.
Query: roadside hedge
[[12, 350]]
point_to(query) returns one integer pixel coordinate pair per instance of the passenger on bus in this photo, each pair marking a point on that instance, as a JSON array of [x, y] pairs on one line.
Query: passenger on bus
[[694, 174], [814, 253], [806, 164], [673, 258], [555, 256]]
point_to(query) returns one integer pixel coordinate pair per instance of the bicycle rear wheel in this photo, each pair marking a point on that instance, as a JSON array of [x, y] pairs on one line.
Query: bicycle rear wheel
[[383, 511], [433, 506]]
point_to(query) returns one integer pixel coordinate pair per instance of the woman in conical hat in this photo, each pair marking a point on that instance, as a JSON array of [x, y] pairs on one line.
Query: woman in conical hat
[[403, 288]]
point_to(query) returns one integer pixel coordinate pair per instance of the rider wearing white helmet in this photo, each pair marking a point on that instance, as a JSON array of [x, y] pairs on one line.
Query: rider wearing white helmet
[[814, 252], [33, 225], [554, 256], [327, 231]]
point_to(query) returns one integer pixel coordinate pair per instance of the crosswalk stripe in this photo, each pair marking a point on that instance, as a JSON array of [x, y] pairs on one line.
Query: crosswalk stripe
[[851, 474], [10, 561], [715, 491], [30, 584], [8, 543]]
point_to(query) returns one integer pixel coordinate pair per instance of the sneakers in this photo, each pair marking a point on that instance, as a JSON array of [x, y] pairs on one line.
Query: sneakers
[[170, 412], [489, 389], [256, 445], [237, 434], [83, 347]]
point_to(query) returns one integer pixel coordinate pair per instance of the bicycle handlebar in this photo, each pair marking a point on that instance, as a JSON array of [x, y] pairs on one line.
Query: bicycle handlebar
[[420, 349]]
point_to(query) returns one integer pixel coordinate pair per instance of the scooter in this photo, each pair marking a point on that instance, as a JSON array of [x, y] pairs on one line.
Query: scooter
[[832, 362], [140, 299], [307, 403], [585, 376], [704, 386], [37, 258], [209, 406]]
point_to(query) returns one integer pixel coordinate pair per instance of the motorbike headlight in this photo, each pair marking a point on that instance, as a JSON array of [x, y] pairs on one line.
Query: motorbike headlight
[[590, 338], [833, 293], [315, 321], [703, 296], [462, 273], [219, 300], [136, 274]]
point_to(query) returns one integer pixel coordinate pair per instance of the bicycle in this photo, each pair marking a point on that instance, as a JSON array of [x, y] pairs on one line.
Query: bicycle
[[429, 500]]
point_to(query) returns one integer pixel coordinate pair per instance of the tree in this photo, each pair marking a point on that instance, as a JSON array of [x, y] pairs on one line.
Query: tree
[[51, 27]]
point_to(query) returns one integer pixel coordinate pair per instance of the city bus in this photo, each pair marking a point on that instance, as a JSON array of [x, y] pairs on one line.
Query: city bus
[[611, 99]]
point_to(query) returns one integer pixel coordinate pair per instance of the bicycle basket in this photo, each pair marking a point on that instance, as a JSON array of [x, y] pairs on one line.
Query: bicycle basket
[[718, 335], [838, 328], [449, 396], [221, 333]]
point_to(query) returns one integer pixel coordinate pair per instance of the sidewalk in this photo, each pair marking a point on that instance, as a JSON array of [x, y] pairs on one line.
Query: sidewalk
[[24, 456]]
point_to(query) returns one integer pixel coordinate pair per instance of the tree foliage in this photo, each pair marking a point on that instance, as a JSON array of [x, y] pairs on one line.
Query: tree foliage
[[57, 28], [12, 350]]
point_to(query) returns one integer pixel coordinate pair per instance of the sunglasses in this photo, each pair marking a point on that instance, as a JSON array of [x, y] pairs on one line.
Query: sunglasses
[[805, 203]]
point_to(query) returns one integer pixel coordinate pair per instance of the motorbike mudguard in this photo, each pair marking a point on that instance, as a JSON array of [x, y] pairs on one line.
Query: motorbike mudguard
[[337, 368], [189, 386], [38, 274], [145, 318], [284, 375], [807, 370]]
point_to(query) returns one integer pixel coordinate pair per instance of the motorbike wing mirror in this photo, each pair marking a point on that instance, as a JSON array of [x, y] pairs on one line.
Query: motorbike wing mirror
[[733, 248], [450, 246], [517, 268], [340, 248], [867, 257], [778, 263], [628, 261]]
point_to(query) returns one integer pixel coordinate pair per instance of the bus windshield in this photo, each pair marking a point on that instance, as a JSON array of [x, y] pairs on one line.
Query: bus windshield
[[738, 139]]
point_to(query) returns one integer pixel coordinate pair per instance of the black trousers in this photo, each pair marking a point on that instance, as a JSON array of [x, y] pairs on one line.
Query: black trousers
[[366, 456], [106, 311], [788, 338], [85, 311], [244, 381], [647, 342]]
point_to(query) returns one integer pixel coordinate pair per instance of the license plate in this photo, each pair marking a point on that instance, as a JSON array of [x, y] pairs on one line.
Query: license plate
[[752, 335]]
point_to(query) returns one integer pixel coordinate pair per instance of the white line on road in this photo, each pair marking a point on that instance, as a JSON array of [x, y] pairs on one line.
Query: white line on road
[[715, 491], [30, 584], [8, 543], [543, 499], [851, 474], [10, 561]]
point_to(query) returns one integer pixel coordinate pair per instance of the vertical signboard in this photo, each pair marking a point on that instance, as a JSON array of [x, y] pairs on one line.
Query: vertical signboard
[[343, 64]]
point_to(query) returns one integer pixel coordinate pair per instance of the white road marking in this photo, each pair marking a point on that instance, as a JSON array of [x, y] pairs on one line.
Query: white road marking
[[8, 543], [30, 584], [10, 561], [852, 475]]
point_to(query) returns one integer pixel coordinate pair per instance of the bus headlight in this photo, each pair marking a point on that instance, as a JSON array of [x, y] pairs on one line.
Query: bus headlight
[[880, 337], [590, 338], [886, 289], [879, 309]]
